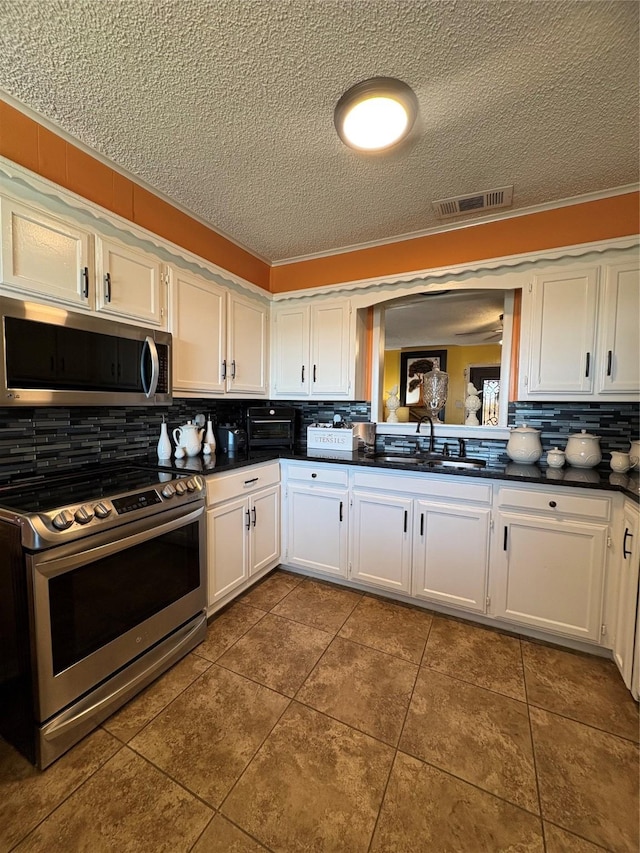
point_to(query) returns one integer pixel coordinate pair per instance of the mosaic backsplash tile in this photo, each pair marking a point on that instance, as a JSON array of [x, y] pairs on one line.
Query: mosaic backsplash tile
[[69, 436]]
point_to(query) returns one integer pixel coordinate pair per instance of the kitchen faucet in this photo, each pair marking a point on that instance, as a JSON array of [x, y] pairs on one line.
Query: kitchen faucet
[[431, 436]]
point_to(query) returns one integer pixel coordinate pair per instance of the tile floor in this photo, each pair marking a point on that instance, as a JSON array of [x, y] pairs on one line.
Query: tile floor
[[315, 718]]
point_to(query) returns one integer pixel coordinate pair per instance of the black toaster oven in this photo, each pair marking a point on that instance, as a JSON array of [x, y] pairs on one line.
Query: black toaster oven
[[271, 426]]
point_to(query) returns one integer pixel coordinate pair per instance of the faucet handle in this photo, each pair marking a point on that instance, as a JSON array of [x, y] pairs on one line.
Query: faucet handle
[[462, 448]]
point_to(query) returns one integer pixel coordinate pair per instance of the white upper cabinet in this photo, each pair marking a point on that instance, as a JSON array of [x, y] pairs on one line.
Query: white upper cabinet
[[620, 361], [129, 283], [580, 333], [316, 351], [246, 363], [198, 326], [44, 256]]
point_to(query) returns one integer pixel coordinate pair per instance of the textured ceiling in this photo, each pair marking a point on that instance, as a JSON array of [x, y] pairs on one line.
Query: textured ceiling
[[226, 106]]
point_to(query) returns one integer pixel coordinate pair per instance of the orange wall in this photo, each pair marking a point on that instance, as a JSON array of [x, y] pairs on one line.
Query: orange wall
[[33, 146], [603, 219], [36, 148]]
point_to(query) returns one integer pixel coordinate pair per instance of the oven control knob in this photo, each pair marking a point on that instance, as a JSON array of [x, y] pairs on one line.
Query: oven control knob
[[168, 491], [181, 487], [196, 482], [102, 510], [83, 514], [63, 520], [191, 484]]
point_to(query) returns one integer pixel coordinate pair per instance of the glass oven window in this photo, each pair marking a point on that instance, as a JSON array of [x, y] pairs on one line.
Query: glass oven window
[[94, 604]]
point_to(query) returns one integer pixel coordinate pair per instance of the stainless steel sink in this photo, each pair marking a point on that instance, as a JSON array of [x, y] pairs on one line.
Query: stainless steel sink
[[456, 463], [427, 462], [398, 457]]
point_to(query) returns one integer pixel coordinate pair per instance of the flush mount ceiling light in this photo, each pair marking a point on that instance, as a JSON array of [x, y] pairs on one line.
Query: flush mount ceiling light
[[375, 114]]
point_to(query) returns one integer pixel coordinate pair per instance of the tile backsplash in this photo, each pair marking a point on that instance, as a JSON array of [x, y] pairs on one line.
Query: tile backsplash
[[78, 436]]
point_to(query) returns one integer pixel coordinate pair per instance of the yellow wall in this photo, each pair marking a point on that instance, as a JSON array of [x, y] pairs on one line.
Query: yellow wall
[[458, 359], [27, 142]]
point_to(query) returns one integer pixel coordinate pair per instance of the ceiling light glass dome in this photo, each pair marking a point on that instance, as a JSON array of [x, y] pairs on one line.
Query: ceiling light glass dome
[[375, 114]]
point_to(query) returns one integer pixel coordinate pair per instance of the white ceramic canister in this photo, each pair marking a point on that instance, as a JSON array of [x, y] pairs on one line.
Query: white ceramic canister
[[583, 450], [635, 452], [524, 445], [555, 458]]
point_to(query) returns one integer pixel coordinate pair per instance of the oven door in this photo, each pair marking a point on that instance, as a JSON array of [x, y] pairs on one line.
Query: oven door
[[102, 601]]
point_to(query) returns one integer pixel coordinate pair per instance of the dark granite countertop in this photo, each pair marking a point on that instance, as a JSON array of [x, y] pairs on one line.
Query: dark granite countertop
[[584, 478]]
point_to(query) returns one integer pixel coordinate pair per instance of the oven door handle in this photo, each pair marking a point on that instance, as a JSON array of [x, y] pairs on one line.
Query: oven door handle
[[79, 553], [150, 344]]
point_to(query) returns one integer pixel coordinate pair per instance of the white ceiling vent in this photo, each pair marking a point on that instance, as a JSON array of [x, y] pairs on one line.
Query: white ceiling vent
[[501, 197]]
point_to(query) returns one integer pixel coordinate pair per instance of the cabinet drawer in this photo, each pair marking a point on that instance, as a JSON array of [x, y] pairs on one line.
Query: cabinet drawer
[[319, 474], [556, 502], [223, 487], [425, 485]]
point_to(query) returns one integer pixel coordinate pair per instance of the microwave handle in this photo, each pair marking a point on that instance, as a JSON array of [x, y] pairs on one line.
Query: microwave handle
[[150, 344]]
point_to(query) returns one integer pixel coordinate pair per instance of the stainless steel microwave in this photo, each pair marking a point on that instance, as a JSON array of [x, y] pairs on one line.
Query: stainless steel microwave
[[54, 357]]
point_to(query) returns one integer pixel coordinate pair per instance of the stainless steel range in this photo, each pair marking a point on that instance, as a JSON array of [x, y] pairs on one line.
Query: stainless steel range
[[102, 588]]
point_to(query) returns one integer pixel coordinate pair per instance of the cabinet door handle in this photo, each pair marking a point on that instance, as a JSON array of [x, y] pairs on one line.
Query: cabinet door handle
[[233, 369], [421, 524], [588, 365], [85, 282], [302, 376], [248, 520], [314, 373], [609, 362], [107, 287], [628, 533], [224, 368], [252, 480], [255, 515], [406, 519], [340, 516], [504, 541]]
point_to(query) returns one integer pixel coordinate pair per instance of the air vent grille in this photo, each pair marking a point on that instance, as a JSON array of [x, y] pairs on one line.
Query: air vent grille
[[501, 197]]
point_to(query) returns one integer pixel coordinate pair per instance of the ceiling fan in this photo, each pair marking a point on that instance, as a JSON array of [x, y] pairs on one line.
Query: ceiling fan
[[489, 331]]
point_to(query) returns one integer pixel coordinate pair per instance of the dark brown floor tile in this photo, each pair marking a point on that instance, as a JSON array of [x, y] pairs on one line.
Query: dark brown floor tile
[[480, 736], [208, 735], [134, 716], [584, 687], [560, 841], [362, 687], [588, 780], [315, 784], [428, 811], [392, 628], [227, 627], [321, 605], [278, 653], [271, 590], [150, 813], [29, 795], [221, 836], [478, 655]]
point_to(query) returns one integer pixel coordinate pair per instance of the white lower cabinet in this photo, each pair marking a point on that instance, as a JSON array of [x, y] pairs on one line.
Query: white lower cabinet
[[626, 647], [549, 558], [317, 501], [451, 554], [381, 540], [243, 528]]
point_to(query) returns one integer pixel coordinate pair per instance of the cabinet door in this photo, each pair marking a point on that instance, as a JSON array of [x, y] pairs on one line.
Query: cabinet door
[[548, 573], [265, 529], [381, 540], [44, 256], [451, 554], [246, 369], [563, 324], [197, 325], [227, 547], [291, 351], [129, 283], [330, 349], [317, 529], [623, 647], [620, 357]]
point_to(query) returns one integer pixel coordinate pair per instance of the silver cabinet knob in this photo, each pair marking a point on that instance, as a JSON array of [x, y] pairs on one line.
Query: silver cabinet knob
[[83, 514], [63, 520]]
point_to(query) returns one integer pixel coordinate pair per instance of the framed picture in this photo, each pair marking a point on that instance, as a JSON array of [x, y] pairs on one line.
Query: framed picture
[[439, 359]]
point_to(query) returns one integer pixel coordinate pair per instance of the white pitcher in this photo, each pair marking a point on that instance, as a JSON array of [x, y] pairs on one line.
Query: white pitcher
[[189, 437], [621, 461]]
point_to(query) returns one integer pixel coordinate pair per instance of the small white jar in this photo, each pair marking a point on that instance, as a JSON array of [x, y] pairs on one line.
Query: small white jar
[[555, 458]]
